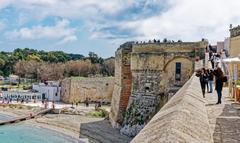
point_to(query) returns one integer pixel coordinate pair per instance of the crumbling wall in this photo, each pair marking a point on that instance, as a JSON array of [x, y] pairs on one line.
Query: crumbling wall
[[123, 84]]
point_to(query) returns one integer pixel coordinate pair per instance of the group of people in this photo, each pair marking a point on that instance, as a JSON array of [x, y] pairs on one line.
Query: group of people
[[9, 100], [206, 77]]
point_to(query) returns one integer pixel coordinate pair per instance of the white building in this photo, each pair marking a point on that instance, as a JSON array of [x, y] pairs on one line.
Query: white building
[[13, 78], [220, 46], [50, 90], [227, 44], [22, 94]]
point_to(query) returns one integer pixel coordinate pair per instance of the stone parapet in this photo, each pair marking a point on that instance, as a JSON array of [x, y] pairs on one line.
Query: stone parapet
[[182, 119]]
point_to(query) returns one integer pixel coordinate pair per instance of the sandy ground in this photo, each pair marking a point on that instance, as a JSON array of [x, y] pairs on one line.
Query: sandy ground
[[19, 111], [95, 129]]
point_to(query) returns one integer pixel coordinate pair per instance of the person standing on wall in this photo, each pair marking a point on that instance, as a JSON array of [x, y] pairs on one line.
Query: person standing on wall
[[210, 80], [219, 83], [206, 73], [203, 80]]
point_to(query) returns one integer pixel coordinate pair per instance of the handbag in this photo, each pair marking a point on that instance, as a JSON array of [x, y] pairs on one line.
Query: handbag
[[224, 79]]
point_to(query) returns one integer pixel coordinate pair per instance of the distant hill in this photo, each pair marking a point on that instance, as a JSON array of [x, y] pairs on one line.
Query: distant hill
[[9, 59]]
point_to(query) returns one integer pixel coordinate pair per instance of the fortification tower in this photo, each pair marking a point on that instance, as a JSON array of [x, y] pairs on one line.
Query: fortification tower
[[147, 75]]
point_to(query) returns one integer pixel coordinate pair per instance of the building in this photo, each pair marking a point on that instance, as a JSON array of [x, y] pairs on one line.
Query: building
[[49, 90], [220, 47], [78, 89], [234, 49], [227, 45], [22, 94], [14, 79], [233, 63], [146, 76]]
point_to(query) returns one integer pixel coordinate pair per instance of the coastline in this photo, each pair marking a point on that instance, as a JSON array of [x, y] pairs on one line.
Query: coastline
[[82, 127]]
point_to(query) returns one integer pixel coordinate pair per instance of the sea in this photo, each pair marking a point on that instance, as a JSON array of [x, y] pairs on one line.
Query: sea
[[25, 132]]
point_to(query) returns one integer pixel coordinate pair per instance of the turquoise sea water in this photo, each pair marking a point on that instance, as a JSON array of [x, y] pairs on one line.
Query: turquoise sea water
[[29, 133]]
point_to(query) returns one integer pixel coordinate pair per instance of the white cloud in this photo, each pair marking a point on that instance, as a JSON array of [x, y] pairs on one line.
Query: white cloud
[[190, 20], [68, 39], [71, 8], [2, 25], [4, 3], [61, 30]]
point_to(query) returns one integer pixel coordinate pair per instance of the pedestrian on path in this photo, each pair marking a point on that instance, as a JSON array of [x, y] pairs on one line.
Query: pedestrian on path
[[203, 80], [206, 73], [210, 80], [219, 83]]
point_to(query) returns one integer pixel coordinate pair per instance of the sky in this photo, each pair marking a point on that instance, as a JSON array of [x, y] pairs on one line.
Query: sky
[[100, 26]]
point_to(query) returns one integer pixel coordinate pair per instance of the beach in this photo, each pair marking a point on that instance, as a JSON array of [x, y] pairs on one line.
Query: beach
[[76, 124]]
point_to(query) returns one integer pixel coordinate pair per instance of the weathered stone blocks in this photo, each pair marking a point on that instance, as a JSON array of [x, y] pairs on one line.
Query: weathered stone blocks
[[182, 119], [95, 89], [146, 77]]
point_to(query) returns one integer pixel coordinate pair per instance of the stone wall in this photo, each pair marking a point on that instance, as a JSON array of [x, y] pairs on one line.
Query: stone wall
[[234, 49], [78, 89], [182, 119], [235, 31], [123, 83], [150, 77]]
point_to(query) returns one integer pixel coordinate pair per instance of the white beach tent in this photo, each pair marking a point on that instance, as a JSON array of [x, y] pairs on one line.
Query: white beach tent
[[232, 67], [232, 60]]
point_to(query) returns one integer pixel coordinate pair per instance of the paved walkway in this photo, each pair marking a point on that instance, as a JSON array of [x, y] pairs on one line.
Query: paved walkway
[[224, 118]]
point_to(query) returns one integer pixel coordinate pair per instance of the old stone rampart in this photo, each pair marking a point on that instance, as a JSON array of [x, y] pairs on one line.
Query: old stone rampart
[[95, 89], [182, 119]]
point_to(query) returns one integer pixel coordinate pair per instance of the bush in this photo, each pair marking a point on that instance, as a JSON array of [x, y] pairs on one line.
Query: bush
[[238, 82], [99, 114]]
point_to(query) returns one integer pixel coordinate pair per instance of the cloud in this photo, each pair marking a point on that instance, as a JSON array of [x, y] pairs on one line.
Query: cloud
[[61, 30], [68, 39], [5, 3], [188, 20], [2, 25], [72, 8]]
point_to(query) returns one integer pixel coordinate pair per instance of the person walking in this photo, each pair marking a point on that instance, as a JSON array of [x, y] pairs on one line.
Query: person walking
[[219, 84], [203, 80], [206, 72], [210, 80]]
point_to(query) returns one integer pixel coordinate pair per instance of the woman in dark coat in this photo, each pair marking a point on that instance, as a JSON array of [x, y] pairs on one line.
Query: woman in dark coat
[[203, 80], [219, 84]]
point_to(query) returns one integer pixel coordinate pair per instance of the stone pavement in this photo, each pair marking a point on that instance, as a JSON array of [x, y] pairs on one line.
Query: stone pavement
[[224, 118]]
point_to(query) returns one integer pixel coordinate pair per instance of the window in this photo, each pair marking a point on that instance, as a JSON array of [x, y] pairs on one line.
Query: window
[[178, 71]]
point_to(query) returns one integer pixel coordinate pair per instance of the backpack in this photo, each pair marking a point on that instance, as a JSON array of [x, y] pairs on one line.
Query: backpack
[[224, 79]]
